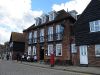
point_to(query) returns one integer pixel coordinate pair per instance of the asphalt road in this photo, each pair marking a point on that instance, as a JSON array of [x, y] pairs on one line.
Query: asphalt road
[[14, 68]]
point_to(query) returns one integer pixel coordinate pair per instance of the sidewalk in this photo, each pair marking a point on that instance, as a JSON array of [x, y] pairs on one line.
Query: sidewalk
[[88, 70]]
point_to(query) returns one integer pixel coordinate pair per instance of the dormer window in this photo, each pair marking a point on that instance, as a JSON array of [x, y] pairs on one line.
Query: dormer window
[[44, 18], [52, 15], [95, 26], [38, 21]]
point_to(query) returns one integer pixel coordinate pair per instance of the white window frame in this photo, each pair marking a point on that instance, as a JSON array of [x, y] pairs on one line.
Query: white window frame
[[52, 15], [57, 47], [94, 26], [42, 35], [35, 37], [97, 49], [30, 38], [43, 18], [34, 50], [50, 49], [29, 50], [73, 48], [37, 21], [11, 44], [50, 33], [30, 35]]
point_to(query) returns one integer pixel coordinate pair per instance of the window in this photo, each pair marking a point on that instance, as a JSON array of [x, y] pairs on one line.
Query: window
[[52, 15], [44, 18], [11, 44], [59, 32], [50, 49], [29, 50], [42, 35], [35, 37], [73, 48], [95, 26], [97, 50], [30, 38], [38, 21], [50, 34], [58, 49], [34, 50]]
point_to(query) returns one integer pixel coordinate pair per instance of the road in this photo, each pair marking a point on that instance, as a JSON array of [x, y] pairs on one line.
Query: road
[[14, 68]]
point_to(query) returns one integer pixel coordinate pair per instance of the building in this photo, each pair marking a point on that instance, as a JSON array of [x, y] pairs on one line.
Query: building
[[17, 44], [87, 35], [2, 51], [52, 33]]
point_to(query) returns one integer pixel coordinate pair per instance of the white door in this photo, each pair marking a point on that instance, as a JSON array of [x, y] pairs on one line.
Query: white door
[[83, 55]]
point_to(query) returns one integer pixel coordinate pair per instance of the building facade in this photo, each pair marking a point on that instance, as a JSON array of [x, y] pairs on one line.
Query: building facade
[[17, 45], [87, 35], [52, 33]]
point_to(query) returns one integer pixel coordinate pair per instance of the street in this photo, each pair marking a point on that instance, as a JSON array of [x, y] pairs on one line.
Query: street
[[14, 68]]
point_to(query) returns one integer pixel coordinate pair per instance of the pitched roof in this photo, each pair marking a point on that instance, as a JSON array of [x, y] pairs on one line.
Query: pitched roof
[[62, 14], [17, 37], [91, 10]]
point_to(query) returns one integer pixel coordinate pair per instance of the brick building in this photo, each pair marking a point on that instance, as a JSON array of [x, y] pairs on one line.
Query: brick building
[[52, 33]]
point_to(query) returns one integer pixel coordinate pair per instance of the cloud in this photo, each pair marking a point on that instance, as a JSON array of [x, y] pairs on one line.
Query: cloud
[[78, 5], [15, 15]]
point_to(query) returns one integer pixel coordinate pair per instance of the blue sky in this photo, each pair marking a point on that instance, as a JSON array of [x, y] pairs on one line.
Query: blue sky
[[46, 5], [17, 15]]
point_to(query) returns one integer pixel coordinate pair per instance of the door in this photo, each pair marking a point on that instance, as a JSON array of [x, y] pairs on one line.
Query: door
[[83, 55], [41, 54]]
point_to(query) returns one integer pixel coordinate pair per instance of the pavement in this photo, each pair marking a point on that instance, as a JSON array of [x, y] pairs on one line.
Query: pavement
[[87, 70], [18, 68]]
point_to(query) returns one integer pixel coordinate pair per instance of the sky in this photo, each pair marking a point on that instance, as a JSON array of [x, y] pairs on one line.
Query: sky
[[16, 15]]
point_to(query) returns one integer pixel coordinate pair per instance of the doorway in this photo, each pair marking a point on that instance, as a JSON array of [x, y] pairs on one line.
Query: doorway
[[41, 53], [83, 55]]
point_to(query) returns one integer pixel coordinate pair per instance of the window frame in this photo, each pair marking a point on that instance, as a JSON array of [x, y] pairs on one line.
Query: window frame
[[34, 50], [42, 35], [35, 37], [29, 50], [57, 50], [73, 48], [49, 51], [94, 27], [50, 33], [97, 51]]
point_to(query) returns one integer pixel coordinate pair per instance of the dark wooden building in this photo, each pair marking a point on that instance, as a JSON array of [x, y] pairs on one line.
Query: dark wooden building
[[87, 35], [17, 44], [52, 33]]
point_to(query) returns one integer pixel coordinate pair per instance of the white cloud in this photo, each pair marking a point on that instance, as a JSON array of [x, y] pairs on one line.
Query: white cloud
[[15, 15], [78, 5]]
